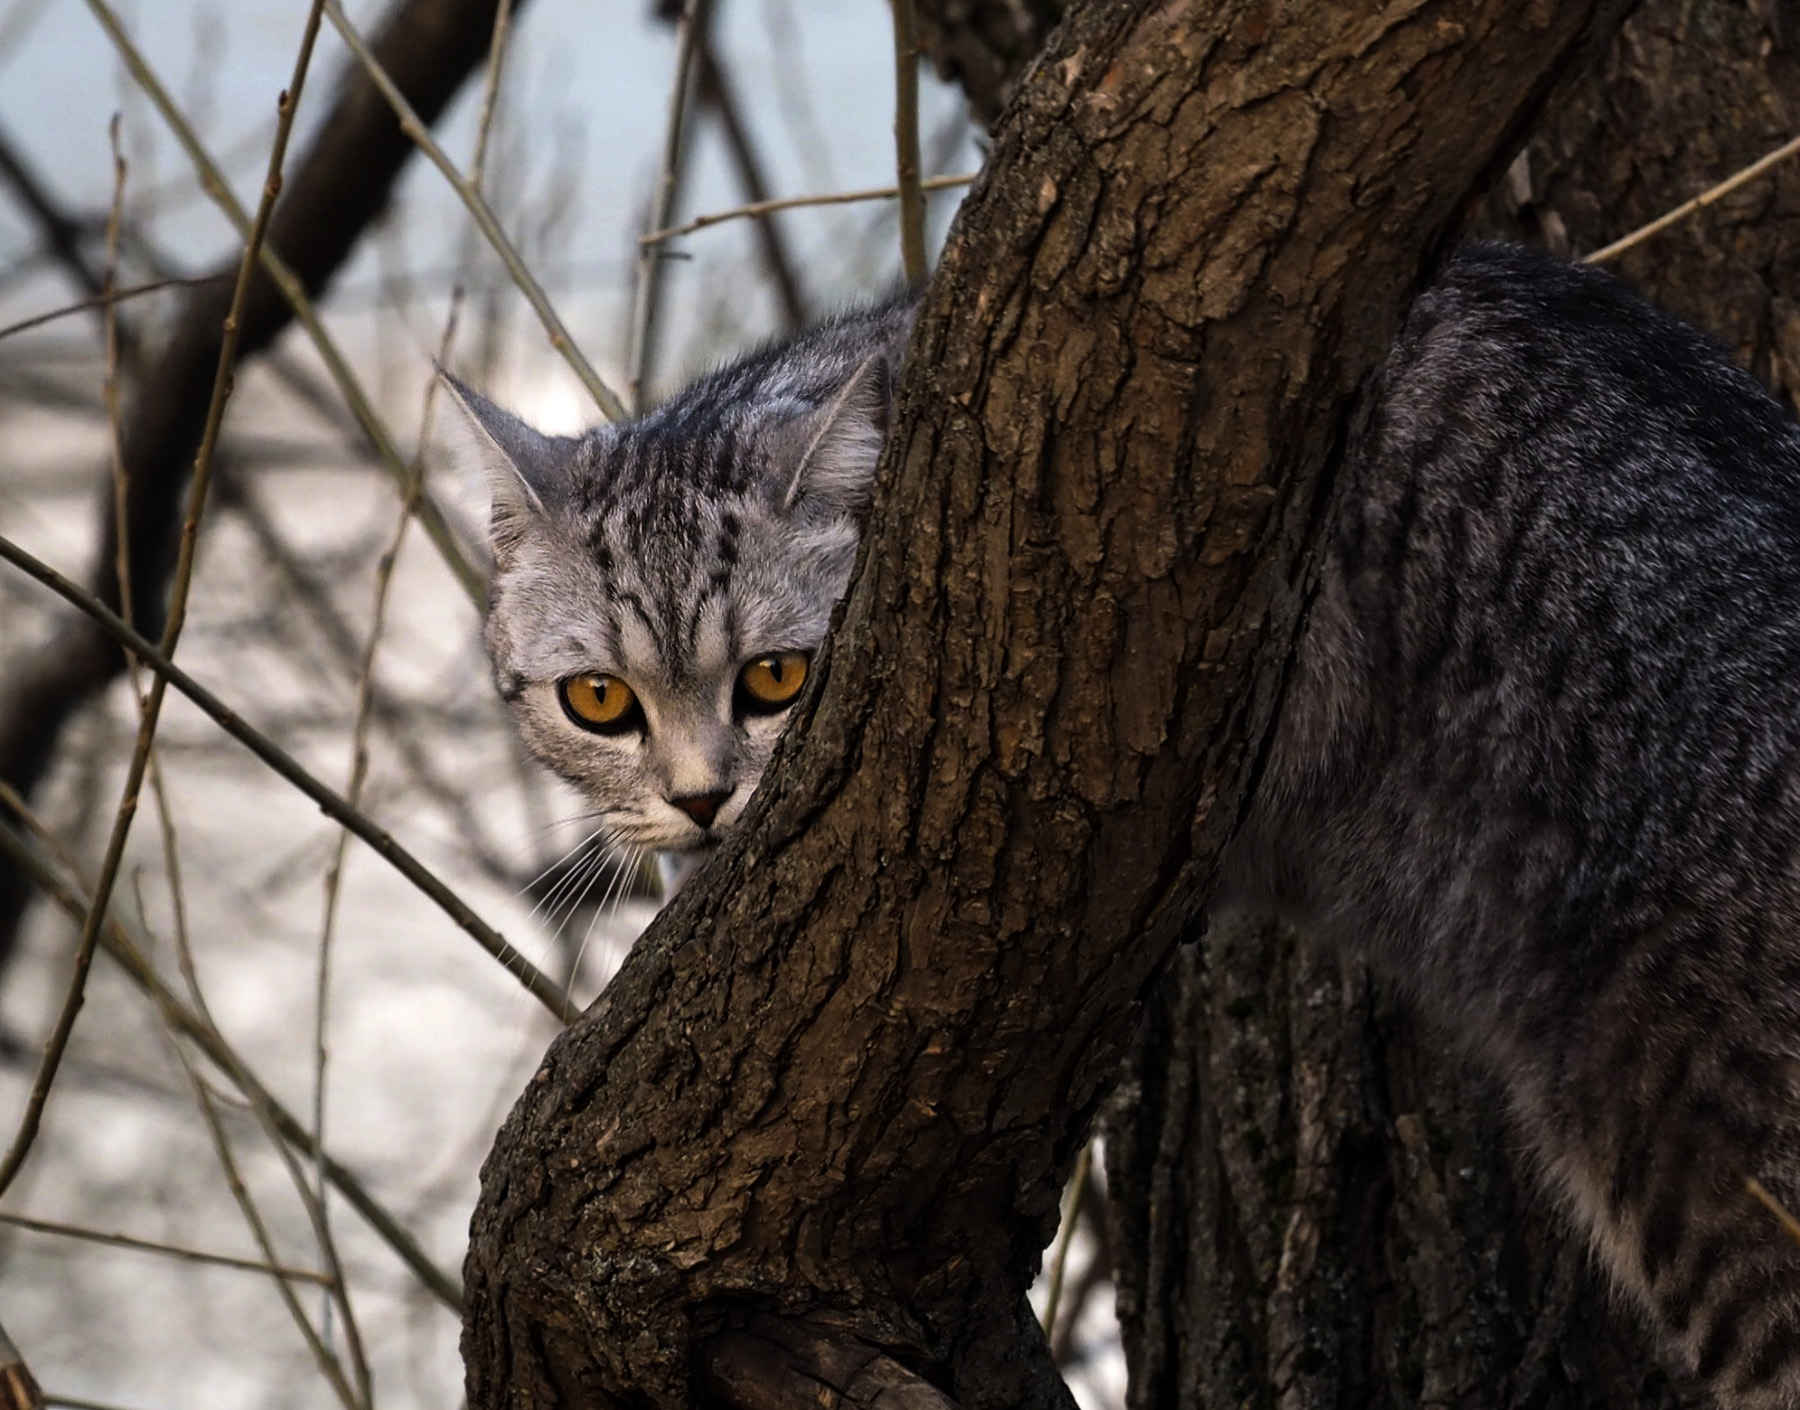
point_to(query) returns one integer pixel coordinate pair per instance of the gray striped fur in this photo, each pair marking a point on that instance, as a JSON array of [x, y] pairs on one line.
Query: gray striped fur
[[1541, 764], [671, 550]]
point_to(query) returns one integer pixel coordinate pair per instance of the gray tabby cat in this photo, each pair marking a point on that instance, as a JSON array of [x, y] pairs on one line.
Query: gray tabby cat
[[1540, 761]]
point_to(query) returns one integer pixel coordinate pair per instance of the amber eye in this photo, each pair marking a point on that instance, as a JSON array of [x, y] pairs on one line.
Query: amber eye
[[604, 704], [770, 683]]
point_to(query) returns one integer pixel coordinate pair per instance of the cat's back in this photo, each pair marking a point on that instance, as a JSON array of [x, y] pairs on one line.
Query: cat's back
[[1540, 762], [1556, 652], [1545, 434]]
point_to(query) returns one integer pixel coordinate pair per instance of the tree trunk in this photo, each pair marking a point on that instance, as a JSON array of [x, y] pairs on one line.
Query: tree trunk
[[848, 1070], [1314, 1198], [1314, 1205]]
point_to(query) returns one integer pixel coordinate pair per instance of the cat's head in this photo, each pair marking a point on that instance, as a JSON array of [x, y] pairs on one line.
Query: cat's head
[[661, 586]]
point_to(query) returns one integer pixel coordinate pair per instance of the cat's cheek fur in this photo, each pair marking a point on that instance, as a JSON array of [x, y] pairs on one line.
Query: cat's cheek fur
[[600, 766], [758, 738]]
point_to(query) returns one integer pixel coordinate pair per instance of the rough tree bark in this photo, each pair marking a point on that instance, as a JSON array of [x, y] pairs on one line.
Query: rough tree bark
[[848, 1070], [334, 192]]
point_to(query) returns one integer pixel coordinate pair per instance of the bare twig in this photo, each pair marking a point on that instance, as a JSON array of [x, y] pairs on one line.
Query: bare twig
[[189, 1255], [401, 724], [560, 338], [294, 292], [788, 203], [328, 1363], [18, 1387], [1789, 1225], [1712, 195], [330, 803], [365, 700], [689, 28], [165, 814], [103, 301], [206, 1036], [109, 387], [716, 93], [906, 143], [1059, 1263], [57, 1043], [312, 1199]]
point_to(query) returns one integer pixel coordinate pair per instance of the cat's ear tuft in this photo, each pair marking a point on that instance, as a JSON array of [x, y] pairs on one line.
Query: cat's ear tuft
[[524, 468], [839, 445]]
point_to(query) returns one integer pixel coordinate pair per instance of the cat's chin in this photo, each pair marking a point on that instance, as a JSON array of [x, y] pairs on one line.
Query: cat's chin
[[675, 867]]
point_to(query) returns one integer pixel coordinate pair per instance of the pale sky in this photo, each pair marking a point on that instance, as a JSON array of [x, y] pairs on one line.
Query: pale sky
[[588, 92]]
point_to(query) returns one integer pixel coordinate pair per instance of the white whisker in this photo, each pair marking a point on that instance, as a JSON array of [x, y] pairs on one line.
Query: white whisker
[[633, 859]]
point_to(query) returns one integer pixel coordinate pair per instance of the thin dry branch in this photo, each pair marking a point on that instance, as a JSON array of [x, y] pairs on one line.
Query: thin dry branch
[[293, 290], [1059, 1263], [109, 388], [317, 1204], [53, 1401], [205, 1035], [560, 338], [717, 94], [306, 591], [57, 1043], [690, 28], [344, 181], [330, 803], [906, 143], [18, 1387], [788, 203], [313, 1202], [1712, 195], [1759, 1192], [167, 1250], [327, 1362], [105, 300]]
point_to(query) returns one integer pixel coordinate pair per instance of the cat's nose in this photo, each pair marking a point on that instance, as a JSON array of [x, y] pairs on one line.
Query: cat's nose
[[702, 807]]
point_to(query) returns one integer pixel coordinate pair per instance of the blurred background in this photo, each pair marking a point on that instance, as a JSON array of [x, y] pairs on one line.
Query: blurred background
[[280, 974]]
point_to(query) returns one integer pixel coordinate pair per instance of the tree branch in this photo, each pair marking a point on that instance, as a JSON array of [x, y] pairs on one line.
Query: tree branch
[[337, 189], [850, 1067]]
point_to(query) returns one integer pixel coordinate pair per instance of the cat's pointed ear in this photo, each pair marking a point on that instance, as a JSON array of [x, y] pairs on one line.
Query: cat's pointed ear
[[839, 445], [524, 468]]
